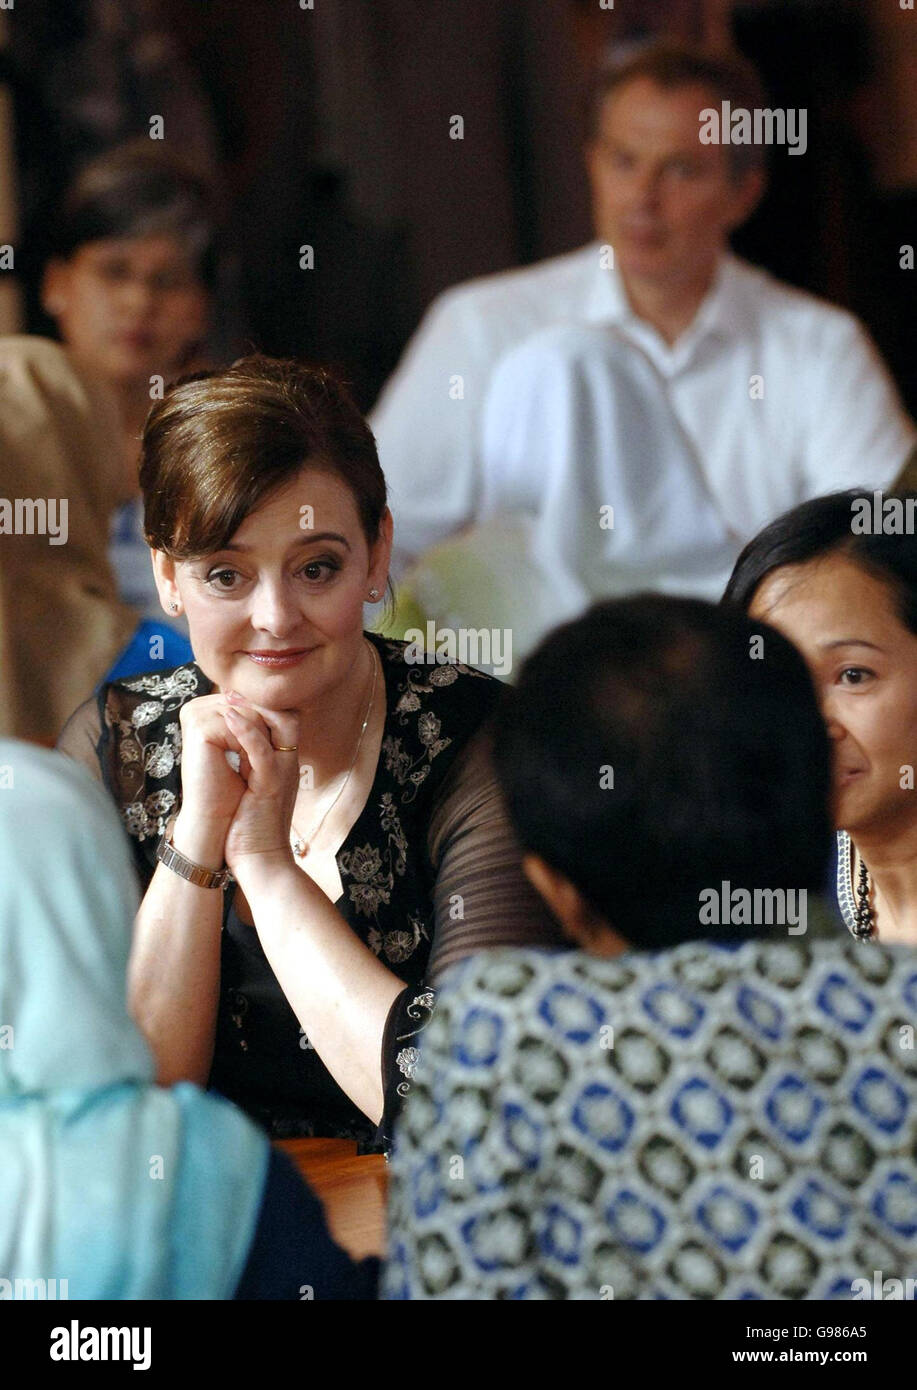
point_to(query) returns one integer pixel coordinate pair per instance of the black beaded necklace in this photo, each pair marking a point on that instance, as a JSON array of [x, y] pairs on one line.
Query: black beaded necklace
[[863, 922]]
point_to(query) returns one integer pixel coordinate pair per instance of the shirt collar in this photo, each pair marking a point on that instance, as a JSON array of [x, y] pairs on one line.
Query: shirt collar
[[721, 313]]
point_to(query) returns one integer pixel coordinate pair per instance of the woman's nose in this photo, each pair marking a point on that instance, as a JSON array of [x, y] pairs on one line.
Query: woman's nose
[[275, 610], [139, 294], [836, 730]]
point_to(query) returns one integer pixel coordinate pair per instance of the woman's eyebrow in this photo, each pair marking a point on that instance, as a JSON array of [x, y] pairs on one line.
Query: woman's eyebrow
[[308, 538], [851, 642]]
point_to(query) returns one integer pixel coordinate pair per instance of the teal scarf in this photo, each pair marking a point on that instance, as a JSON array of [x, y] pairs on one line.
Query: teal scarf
[[119, 1187]]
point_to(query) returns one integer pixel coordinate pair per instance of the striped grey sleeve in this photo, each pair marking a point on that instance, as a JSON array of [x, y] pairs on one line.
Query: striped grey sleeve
[[481, 897]]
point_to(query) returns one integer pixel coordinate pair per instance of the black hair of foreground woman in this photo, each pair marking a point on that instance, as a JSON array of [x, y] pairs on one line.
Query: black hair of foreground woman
[[716, 1095]]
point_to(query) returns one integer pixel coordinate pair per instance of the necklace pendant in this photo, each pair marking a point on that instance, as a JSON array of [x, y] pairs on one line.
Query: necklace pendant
[[300, 849]]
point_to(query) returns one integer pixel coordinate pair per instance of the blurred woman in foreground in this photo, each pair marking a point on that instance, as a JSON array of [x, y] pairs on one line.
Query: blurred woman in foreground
[[716, 1095], [110, 1185]]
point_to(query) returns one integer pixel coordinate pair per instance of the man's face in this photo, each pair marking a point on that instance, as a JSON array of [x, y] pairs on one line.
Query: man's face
[[662, 199]]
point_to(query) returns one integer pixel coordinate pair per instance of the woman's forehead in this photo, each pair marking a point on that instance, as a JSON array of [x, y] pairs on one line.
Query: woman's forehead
[[313, 501], [831, 589]]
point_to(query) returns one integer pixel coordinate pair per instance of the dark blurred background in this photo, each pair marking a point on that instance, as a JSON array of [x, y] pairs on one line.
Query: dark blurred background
[[330, 127]]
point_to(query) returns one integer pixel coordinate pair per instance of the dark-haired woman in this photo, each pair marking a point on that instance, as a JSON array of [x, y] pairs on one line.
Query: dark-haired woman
[[343, 786], [128, 283], [838, 577]]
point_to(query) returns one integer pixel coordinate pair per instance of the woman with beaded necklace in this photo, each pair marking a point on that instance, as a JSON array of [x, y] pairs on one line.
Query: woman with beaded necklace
[[838, 577], [334, 787]]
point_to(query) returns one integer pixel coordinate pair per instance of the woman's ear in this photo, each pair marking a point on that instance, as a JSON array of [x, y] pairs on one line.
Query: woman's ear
[[166, 587], [578, 919], [55, 288], [380, 554]]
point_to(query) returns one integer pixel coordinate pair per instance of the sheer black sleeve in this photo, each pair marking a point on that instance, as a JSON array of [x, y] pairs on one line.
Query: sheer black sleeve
[[482, 899], [81, 736]]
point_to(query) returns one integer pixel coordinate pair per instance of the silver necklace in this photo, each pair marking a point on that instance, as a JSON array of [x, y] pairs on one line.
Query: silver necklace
[[855, 907], [301, 846]]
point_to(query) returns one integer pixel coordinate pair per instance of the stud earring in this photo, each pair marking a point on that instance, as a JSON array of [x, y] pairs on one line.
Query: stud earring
[[173, 607], [373, 594]]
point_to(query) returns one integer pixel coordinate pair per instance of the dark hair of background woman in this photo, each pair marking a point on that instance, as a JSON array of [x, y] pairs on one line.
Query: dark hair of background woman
[[820, 528], [136, 190]]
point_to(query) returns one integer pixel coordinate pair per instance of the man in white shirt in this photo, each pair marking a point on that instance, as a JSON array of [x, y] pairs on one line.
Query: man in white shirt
[[780, 396]]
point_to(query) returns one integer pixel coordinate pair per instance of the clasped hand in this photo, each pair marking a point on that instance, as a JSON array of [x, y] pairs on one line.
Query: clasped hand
[[251, 807]]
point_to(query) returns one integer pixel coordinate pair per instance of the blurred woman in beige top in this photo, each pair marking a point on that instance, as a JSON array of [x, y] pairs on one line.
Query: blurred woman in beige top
[[62, 473]]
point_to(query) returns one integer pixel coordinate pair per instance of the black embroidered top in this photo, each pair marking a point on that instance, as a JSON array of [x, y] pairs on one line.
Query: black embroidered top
[[430, 872]]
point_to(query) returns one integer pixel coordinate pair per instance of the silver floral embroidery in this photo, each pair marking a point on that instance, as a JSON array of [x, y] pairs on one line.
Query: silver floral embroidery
[[158, 759], [399, 945], [406, 1061], [421, 1001], [366, 897], [146, 713], [409, 702], [363, 863], [128, 748], [445, 675], [150, 817], [176, 685]]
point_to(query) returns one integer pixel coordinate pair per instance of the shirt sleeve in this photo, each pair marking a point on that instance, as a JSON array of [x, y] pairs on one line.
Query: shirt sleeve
[[906, 480], [80, 736], [426, 427], [859, 432], [292, 1254]]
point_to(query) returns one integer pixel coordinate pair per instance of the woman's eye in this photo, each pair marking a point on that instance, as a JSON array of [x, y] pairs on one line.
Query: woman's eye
[[319, 571], [855, 675], [223, 579], [165, 281], [114, 271]]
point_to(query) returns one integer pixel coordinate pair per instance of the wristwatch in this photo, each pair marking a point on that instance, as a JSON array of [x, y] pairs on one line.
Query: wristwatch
[[186, 868]]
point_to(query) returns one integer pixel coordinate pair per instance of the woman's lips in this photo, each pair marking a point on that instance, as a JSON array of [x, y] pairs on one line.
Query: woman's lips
[[137, 339], [279, 660], [849, 774]]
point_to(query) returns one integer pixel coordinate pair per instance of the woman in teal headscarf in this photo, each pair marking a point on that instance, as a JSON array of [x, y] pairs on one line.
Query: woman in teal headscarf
[[119, 1187]]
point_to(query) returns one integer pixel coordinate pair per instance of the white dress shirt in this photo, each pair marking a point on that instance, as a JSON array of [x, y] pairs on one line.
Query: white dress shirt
[[591, 489], [781, 395], [579, 439]]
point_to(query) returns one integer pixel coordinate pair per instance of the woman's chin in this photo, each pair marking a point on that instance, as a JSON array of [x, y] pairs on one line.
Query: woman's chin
[[846, 813], [279, 689]]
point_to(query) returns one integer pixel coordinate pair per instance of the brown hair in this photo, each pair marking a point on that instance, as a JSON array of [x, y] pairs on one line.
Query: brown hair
[[670, 64], [136, 190], [219, 443]]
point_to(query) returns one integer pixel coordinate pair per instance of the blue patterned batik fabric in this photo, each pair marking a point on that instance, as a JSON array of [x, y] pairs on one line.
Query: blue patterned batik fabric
[[707, 1122]]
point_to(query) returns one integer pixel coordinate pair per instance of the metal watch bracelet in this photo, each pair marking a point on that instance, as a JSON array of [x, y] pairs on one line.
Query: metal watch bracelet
[[173, 859]]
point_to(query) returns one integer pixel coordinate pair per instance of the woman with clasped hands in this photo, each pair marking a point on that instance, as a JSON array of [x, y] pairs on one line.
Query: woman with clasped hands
[[332, 787]]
